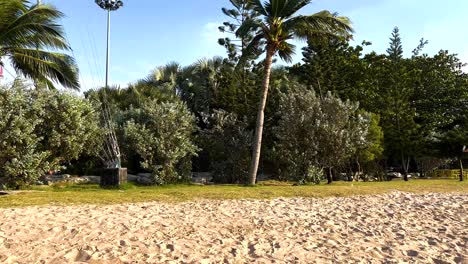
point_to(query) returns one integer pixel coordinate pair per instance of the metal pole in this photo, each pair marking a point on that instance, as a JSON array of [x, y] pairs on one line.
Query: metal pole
[[108, 46]]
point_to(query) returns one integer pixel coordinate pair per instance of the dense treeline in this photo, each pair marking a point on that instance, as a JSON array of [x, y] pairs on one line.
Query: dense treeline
[[339, 114]]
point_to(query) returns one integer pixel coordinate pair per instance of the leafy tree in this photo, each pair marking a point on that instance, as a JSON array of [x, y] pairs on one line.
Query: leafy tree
[[201, 83], [318, 132], [161, 134], [20, 161], [391, 79], [42, 130], [28, 33], [419, 99], [69, 127], [212, 84], [228, 144], [440, 92], [371, 147], [452, 142], [331, 64], [280, 24]]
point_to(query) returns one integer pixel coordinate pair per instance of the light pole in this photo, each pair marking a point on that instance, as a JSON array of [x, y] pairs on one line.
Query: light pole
[[109, 5]]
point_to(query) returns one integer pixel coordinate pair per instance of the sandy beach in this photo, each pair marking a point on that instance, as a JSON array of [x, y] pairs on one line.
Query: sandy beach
[[391, 228]]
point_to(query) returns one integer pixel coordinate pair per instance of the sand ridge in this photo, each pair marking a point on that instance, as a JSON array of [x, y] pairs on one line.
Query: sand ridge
[[391, 228]]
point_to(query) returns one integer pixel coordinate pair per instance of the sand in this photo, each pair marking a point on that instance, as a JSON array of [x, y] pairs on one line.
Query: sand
[[391, 228]]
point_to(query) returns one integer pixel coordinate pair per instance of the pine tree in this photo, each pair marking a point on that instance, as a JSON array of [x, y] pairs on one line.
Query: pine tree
[[395, 51], [240, 12]]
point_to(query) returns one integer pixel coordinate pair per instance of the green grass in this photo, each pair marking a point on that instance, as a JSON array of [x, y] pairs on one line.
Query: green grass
[[92, 194]]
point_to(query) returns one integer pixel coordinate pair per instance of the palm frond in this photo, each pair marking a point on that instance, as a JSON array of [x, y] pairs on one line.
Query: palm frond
[[9, 10], [322, 22], [286, 51], [30, 37], [291, 7], [252, 48], [249, 25], [37, 22], [284, 8], [259, 7], [44, 65]]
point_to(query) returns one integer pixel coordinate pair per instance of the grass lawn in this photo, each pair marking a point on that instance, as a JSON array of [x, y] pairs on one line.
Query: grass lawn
[[92, 194]]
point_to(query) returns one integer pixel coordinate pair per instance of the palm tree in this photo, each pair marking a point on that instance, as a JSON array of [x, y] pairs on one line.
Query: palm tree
[[281, 23], [31, 39], [164, 74]]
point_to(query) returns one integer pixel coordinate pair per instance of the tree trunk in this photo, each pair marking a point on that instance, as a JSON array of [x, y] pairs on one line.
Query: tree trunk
[[329, 176], [405, 167], [358, 174], [260, 118], [461, 170]]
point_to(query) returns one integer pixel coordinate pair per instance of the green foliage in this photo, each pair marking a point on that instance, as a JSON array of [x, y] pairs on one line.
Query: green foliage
[[30, 37], [440, 91], [418, 99], [332, 64], [21, 162], [317, 132], [372, 147], [280, 24], [228, 144], [314, 176], [69, 128], [395, 51], [160, 133], [241, 11], [42, 130], [201, 83], [450, 143], [393, 78]]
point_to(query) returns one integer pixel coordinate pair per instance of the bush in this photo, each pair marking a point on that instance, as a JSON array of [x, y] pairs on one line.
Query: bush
[[228, 144], [316, 133], [21, 161], [314, 176], [40, 131], [69, 127], [161, 134]]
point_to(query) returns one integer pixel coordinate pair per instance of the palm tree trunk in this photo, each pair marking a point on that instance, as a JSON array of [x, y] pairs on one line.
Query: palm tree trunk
[[260, 118]]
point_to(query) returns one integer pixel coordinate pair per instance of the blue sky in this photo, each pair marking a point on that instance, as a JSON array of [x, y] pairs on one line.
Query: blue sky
[[149, 33]]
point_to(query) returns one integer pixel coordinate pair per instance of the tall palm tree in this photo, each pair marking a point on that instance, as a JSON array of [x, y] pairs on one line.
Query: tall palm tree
[[281, 23], [31, 39]]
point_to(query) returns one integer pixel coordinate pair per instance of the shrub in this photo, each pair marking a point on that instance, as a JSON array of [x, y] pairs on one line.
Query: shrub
[[69, 127], [21, 161], [228, 144], [314, 176], [42, 130], [161, 134], [315, 133]]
